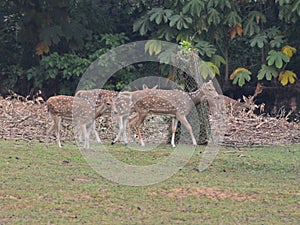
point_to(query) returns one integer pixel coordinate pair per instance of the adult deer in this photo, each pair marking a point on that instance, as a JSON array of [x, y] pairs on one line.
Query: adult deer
[[72, 108], [170, 102], [93, 95]]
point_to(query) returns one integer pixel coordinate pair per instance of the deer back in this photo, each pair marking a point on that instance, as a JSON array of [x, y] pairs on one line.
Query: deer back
[[70, 107], [93, 94], [162, 101]]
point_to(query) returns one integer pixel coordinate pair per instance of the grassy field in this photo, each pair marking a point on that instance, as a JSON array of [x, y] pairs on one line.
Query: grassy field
[[57, 186]]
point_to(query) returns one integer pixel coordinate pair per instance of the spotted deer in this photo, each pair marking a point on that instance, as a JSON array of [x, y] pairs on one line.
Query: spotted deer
[[80, 111], [155, 101], [93, 95]]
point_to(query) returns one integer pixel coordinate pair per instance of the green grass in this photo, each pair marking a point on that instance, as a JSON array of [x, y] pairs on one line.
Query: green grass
[[57, 186]]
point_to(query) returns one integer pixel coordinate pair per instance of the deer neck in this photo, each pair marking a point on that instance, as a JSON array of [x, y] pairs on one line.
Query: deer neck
[[100, 110], [196, 96]]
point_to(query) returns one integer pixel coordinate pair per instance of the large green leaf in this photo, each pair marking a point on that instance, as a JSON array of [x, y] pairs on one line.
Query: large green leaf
[[272, 32], [267, 72], [181, 21], [153, 46], [277, 41], [219, 4], [259, 40], [232, 19], [241, 77], [166, 33], [207, 69], [142, 25], [251, 28], [167, 56], [286, 15], [183, 35], [205, 48], [218, 60], [296, 7], [254, 18], [213, 17], [277, 58], [159, 14], [195, 7]]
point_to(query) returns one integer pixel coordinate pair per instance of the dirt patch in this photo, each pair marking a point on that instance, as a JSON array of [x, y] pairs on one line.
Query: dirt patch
[[208, 192]]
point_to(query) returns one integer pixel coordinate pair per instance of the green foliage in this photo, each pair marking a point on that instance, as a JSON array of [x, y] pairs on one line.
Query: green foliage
[[251, 28], [208, 69], [218, 60], [153, 46], [57, 39], [166, 33], [159, 14], [268, 72], [205, 48], [289, 11], [241, 77], [296, 7], [167, 57], [214, 17], [277, 58], [194, 7], [269, 36], [232, 19], [277, 41], [181, 21], [142, 25], [66, 66], [32, 32], [260, 40], [253, 20], [282, 2], [113, 40]]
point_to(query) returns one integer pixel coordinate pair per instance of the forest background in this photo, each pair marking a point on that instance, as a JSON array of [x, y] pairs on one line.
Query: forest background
[[48, 45]]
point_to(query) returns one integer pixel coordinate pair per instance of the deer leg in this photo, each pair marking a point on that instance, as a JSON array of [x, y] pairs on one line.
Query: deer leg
[[174, 127], [125, 122], [95, 132], [51, 128], [141, 118], [184, 121], [120, 130], [57, 124], [131, 122], [86, 136]]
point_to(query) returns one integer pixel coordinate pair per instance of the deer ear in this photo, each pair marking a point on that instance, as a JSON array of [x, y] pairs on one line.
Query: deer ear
[[245, 98]]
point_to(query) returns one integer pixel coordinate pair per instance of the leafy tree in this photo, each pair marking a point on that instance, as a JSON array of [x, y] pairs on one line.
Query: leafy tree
[[56, 40], [223, 31]]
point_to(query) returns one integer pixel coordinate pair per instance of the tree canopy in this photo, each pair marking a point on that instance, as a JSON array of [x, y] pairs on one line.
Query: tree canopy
[[50, 44]]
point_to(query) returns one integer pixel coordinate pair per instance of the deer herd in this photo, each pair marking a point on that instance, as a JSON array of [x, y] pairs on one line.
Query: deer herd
[[87, 105]]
